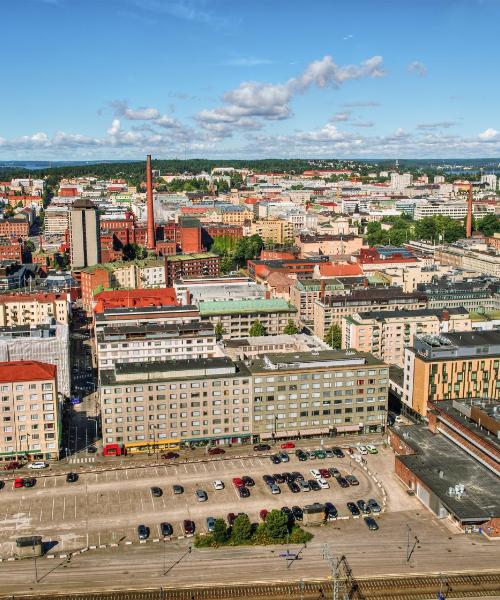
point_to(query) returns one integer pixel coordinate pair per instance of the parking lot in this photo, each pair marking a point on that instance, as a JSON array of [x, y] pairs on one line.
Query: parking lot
[[106, 507]]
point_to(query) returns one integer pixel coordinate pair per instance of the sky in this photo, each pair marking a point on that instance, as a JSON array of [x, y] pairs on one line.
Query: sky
[[118, 79]]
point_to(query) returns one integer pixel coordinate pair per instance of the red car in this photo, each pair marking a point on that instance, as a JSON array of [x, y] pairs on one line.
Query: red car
[[19, 482], [325, 473], [216, 450], [263, 514], [350, 450], [238, 482], [12, 466], [170, 455], [231, 518], [287, 445]]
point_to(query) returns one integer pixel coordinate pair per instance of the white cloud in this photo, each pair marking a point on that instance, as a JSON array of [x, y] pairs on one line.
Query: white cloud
[[269, 101], [418, 68], [341, 116], [436, 125], [488, 134], [122, 109]]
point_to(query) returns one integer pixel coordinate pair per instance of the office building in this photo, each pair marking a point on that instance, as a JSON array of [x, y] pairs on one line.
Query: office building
[[84, 232]]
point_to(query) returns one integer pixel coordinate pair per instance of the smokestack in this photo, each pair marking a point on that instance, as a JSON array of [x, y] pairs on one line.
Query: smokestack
[[151, 244], [468, 225], [322, 288]]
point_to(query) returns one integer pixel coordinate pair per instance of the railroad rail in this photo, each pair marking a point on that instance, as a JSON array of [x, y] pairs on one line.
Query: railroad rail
[[418, 587]]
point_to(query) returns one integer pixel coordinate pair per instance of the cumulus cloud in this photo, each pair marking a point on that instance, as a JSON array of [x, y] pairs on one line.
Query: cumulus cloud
[[418, 68], [341, 116], [488, 134], [148, 113], [268, 101]]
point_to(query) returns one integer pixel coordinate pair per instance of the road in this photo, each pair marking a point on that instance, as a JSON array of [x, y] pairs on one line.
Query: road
[[369, 553]]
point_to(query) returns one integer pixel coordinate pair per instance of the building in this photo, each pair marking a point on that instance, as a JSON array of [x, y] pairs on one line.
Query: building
[[155, 298], [330, 310], [205, 264], [34, 309], [449, 366], [237, 316], [12, 251], [191, 401], [490, 180], [475, 294], [153, 342], [386, 334], [327, 244], [400, 181], [30, 411], [305, 291], [218, 288], [56, 219], [456, 256], [318, 393], [277, 231], [253, 347], [385, 257], [84, 232], [18, 227], [190, 235]]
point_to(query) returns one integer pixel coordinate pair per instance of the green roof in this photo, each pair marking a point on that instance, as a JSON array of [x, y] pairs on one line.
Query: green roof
[[233, 307], [181, 257], [489, 316], [112, 266]]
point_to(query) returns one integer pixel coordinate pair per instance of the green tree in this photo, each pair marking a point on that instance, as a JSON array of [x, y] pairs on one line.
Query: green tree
[[277, 525], [257, 329], [226, 264], [241, 530], [291, 328], [333, 337], [220, 534], [29, 245], [219, 330], [133, 251], [489, 225]]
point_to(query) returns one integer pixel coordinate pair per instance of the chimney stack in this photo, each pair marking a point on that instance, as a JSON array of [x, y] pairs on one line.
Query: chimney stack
[[468, 224], [151, 244]]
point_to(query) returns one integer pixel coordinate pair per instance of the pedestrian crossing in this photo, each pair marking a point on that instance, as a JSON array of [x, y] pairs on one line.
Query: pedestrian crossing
[[76, 460]]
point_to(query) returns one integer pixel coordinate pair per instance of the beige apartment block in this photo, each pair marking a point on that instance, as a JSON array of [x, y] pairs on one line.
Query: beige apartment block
[[30, 425], [277, 231], [34, 309]]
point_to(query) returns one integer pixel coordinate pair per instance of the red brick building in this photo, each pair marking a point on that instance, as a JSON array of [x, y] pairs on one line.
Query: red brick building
[[15, 227], [205, 264], [11, 251]]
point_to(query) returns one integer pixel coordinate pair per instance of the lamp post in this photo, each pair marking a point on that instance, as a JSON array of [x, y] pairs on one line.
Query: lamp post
[[34, 558]]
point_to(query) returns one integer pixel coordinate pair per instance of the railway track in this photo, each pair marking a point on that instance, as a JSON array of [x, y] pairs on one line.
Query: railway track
[[395, 588]]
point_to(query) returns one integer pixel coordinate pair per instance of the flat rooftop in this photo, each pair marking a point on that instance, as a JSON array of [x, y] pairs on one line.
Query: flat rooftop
[[412, 314], [441, 465], [217, 307], [313, 360]]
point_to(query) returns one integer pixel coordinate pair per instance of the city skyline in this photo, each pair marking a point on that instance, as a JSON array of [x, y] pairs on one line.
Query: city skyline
[[194, 78]]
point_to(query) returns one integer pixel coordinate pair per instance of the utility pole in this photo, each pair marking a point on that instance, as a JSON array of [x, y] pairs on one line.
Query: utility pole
[[339, 591]]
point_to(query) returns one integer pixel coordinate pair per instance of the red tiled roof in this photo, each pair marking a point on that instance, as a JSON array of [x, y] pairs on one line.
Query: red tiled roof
[[26, 370], [135, 298], [31, 297], [340, 270]]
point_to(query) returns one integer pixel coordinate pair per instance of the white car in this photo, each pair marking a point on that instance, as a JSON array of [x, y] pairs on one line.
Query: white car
[[38, 465], [315, 473], [398, 419], [218, 484], [362, 450], [371, 449], [323, 484]]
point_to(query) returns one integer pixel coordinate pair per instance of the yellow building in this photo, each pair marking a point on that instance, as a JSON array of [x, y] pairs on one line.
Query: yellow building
[[34, 309], [451, 366], [277, 231]]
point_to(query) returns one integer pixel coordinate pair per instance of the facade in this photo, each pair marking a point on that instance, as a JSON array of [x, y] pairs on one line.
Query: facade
[[34, 309], [30, 410], [305, 291], [253, 347], [205, 264], [277, 231], [84, 232], [237, 316], [332, 309], [16, 226], [449, 366], [386, 334], [188, 400], [137, 314], [318, 393], [482, 262], [56, 219], [328, 244], [478, 294]]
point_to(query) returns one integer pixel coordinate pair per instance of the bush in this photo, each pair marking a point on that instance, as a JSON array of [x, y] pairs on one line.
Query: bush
[[205, 541], [277, 526], [241, 531], [220, 533], [300, 536]]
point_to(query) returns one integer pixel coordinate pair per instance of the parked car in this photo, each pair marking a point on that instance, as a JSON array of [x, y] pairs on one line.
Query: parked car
[[323, 484], [319, 454], [363, 507], [262, 447], [287, 446], [238, 482], [201, 495], [334, 472], [157, 492], [13, 465], [18, 482], [287, 511], [178, 489], [218, 484], [166, 529], [353, 509], [287, 476], [362, 450], [374, 506], [297, 476], [315, 473], [371, 523], [284, 457], [247, 481], [210, 524], [2, 484], [331, 511], [231, 518], [298, 513], [91, 449], [72, 477], [301, 455], [216, 450], [263, 514], [244, 492], [352, 480], [293, 487], [314, 485], [142, 532], [170, 455], [29, 482], [350, 451], [325, 473], [268, 479], [338, 452], [278, 478], [342, 481], [188, 527], [40, 464], [371, 449], [275, 459], [329, 453], [275, 489], [304, 485]]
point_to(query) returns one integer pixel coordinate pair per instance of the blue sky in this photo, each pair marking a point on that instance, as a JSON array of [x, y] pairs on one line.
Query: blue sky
[[266, 78]]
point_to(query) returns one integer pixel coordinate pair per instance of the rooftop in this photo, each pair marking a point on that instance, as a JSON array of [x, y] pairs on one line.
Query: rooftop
[[216, 307], [26, 370], [384, 315], [135, 298], [186, 257], [313, 360]]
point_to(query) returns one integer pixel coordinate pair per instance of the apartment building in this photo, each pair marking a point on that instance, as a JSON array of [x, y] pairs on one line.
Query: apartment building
[[84, 233], [477, 294], [30, 412], [56, 219], [450, 366], [332, 309], [34, 309], [327, 244], [205, 264], [277, 231], [253, 347], [237, 316], [305, 291], [482, 262], [386, 334], [16, 226], [318, 393], [188, 400], [154, 342]]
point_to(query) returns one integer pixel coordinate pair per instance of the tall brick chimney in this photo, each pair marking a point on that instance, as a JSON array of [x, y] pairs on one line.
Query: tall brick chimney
[[151, 243], [468, 224]]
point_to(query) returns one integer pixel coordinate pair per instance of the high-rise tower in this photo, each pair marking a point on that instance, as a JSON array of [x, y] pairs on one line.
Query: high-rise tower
[[150, 242], [84, 234]]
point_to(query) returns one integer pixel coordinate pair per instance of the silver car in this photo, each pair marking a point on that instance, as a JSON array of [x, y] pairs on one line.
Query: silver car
[[201, 495], [275, 489]]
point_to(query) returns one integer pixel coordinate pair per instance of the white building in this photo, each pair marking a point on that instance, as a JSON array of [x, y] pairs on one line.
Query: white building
[[490, 179], [399, 181]]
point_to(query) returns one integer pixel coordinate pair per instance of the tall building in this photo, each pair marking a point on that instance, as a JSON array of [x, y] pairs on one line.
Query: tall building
[[84, 234], [30, 411]]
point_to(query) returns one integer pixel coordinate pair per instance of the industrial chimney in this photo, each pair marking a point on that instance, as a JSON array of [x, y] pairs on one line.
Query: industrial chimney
[[151, 244], [468, 224]]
